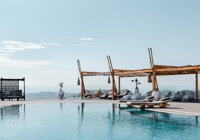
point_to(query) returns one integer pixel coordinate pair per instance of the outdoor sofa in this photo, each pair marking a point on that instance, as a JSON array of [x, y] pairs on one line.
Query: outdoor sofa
[[15, 94]]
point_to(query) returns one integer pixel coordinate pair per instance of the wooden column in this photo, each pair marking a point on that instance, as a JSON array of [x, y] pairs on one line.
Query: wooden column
[[119, 83], [154, 81], [113, 87], [1, 90], [82, 87], [197, 86], [24, 89]]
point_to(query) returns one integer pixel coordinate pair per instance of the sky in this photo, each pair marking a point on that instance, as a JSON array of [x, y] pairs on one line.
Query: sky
[[41, 40]]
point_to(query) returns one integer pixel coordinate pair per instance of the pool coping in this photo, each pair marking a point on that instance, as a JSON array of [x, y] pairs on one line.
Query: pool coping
[[175, 108]]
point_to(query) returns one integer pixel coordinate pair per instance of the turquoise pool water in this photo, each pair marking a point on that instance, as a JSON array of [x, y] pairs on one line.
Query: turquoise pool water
[[92, 121]]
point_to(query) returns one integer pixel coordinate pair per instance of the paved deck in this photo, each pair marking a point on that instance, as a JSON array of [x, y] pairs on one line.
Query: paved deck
[[192, 109]]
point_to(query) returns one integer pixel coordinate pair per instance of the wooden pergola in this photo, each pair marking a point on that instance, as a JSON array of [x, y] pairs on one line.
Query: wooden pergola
[[154, 71]]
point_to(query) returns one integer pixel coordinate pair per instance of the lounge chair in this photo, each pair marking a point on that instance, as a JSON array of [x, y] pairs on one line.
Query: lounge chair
[[88, 94], [115, 96], [137, 97], [141, 97], [127, 97], [105, 96], [98, 94], [126, 92], [160, 104], [189, 97], [169, 94], [147, 99]]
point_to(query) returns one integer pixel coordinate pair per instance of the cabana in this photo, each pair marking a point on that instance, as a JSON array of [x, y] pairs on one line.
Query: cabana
[[152, 73], [10, 89]]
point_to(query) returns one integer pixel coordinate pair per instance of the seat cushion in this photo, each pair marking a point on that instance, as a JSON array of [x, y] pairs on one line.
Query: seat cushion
[[13, 93], [164, 99], [18, 92], [150, 97]]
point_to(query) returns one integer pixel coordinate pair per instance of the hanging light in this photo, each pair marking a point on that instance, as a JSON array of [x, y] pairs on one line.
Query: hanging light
[[78, 83], [149, 78], [108, 79]]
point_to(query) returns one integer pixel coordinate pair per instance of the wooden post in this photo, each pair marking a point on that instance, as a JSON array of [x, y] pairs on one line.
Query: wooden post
[[82, 83], [84, 92], [119, 84], [154, 81], [113, 78], [196, 86], [24, 89], [1, 90], [113, 87], [82, 87]]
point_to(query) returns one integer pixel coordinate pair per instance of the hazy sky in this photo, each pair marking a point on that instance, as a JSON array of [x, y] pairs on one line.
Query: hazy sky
[[42, 39]]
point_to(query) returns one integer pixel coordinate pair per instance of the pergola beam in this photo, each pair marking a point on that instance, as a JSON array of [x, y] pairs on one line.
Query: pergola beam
[[159, 71], [134, 71], [179, 69], [89, 72]]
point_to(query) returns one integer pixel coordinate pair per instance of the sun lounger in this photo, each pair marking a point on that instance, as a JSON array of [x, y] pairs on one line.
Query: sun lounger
[[143, 100], [169, 94], [160, 104], [136, 96], [126, 92], [141, 97], [110, 96], [104, 96], [128, 97], [147, 99]]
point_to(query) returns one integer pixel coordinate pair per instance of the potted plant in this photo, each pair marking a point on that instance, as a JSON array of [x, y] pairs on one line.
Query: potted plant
[[61, 93], [136, 87]]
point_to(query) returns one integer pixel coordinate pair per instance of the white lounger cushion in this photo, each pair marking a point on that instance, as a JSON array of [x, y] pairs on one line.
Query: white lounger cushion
[[148, 103], [165, 98]]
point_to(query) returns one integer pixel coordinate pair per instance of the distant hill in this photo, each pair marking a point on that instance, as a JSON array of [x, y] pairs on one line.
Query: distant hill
[[48, 95]]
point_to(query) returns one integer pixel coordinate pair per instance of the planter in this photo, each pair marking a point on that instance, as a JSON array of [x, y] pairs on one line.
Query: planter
[[61, 94], [136, 90], [156, 95]]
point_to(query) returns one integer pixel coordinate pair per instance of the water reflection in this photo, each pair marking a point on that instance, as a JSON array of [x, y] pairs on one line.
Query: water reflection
[[80, 116], [114, 121], [115, 114], [11, 111], [61, 106], [165, 117], [196, 120], [111, 120]]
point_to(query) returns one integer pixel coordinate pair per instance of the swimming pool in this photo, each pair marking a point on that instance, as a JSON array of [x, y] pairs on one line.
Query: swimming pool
[[58, 121]]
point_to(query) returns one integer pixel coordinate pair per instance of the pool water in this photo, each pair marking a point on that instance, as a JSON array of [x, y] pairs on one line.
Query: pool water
[[58, 121]]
